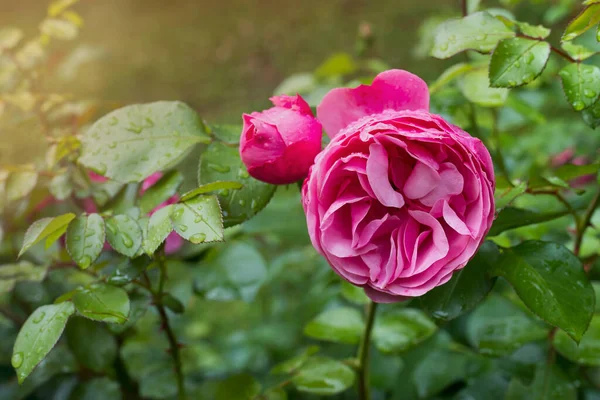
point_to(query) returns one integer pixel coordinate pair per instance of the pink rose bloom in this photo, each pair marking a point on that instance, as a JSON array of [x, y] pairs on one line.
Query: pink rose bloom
[[400, 199], [279, 145]]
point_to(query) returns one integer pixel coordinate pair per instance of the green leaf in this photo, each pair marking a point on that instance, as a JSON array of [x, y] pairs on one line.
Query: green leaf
[[342, 325], [222, 163], [238, 387], [124, 234], [581, 84], [449, 75], [159, 227], [505, 196], [102, 302], [302, 83], [534, 31], [165, 188], [498, 327], [518, 61], [44, 227], [10, 274], [467, 288], [479, 31], [59, 28], [589, 17], [475, 86], [198, 220], [567, 172], [323, 376], [291, 365], [98, 389], [472, 6], [549, 383], [245, 269], [551, 282], [133, 142], [172, 303], [211, 187], [591, 115], [577, 51], [511, 218], [38, 336], [20, 184], [58, 6], [354, 294], [85, 239], [587, 352], [93, 345], [338, 64], [401, 329]]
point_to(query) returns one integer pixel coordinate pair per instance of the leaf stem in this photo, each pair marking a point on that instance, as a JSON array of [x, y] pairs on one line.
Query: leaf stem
[[554, 49], [363, 354], [585, 222]]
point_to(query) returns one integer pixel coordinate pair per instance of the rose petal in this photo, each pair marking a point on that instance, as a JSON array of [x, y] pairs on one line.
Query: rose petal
[[377, 173]]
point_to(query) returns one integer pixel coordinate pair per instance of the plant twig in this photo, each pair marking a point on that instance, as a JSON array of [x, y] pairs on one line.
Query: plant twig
[[464, 8], [585, 222], [363, 354], [553, 48]]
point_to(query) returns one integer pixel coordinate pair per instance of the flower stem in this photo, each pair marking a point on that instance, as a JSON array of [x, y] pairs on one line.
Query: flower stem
[[363, 354], [585, 222]]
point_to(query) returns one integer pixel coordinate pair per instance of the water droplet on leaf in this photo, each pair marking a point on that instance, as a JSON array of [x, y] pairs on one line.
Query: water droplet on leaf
[[17, 360]]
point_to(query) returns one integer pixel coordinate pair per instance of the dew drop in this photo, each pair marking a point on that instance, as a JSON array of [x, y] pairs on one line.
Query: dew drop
[[242, 173], [444, 46], [112, 145], [127, 241], [219, 168], [113, 121], [452, 39], [512, 83], [517, 64], [589, 93], [17, 360], [38, 318], [481, 37], [578, 105], [242, 202], [198, 238], [529, 58], [254, 205], [183, 228], [178, 213], [198, 219], [86, 261], [225, 192]]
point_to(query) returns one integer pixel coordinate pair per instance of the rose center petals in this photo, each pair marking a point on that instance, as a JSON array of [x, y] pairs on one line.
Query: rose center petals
[[421, 181], [377, 174]]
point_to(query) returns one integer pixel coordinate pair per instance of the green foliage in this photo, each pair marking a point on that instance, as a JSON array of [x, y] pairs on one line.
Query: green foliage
[[518, 61], [343, 325], [85, 238], [581, 83]]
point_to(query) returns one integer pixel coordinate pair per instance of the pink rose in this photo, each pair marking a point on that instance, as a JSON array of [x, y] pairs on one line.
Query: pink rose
[[279, 145], [399, 199]]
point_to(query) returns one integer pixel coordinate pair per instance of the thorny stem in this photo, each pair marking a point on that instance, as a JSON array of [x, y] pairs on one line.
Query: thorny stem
[[585, 222], [363, 354], [174, 345]]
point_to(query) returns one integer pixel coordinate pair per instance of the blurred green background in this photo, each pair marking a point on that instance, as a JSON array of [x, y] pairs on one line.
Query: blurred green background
[[221, 57]]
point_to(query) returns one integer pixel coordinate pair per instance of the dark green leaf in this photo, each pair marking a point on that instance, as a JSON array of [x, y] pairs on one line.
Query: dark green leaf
[[323, 376], [591, 115], [401, 329], [10, 274], [511, 218], [291, 365], [124, 234], [211, 187], [159, 227], [475, 86], [133, 142], [98, 389], [466, 289], [198, 220], [93, 345], [505, 196], [498, 327], [549, 383], [238, 387], [85, 239], [43, 228], [589, 17], [551, 282], [581, 84], [479, 31], [518, 61], [222, 163], [165, 188], [38, 336], [172, 303], [588, 350], [343, 325], [245, 269], [102, 302]]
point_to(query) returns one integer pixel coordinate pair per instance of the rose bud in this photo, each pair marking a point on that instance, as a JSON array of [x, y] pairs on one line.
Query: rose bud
[[399, 199], [279, 145]]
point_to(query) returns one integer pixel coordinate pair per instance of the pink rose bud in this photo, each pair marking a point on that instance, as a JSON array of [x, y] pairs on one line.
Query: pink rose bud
[[279, 145], [399, 199]]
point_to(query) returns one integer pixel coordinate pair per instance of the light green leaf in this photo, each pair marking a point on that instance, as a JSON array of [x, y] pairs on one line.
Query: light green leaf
[[85, 239], [245, 269], [298, 83], [133, 142], [222, 163], [589, 17], [511, 218], [165, 188], [587, 352], [38, 336], [342, 325], [102, 302], [338, 64], [198, 220], [581, 84], [472, 6], [212, 187], [551, 282], [498, 327], [577, 51], [20, 184], [124, 234], [401, 329], [159, 227], [479, 31], [549, 383], [58, 6], [505, 196], [534, 31], [475, 86], [92, 344], [43, 228], [354, 294], [518, 61], [60, 29], [449, 75], [238, 387], [467, 288], [591, 115], [323, 376], [291, 365], [10, 274]]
